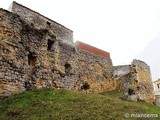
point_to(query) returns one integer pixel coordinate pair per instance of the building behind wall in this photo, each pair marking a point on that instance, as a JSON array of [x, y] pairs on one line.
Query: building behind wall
[[157, 92]]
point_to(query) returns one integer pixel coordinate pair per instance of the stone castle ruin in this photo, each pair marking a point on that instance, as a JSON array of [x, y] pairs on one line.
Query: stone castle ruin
[[37, 52], [134, 80]]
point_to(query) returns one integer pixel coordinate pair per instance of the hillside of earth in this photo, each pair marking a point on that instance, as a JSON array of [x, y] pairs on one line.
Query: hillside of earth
[[60, 104]]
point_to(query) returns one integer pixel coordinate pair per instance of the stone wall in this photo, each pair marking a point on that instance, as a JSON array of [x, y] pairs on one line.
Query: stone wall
[[36, 52], [34, 57], [12, 55], [31, 58], [135, 81], [41, 22], [96, 71], [121, 70], [142, 75], [95, 68]]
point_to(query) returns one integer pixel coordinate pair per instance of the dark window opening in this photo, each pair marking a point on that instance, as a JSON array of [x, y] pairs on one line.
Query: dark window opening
[[158, 86], [31, 59], [50, 45], [85, 86], [68, 68], [131, 92]]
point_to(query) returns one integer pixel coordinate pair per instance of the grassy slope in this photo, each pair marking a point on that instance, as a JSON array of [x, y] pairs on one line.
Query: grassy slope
[[52, 104]]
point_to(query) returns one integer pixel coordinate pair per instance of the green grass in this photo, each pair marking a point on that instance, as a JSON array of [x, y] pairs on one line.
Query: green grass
[[60, 104]]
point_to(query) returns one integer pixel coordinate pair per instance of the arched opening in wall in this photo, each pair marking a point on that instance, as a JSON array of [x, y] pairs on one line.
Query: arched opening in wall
[[158, 86], [50, 45], [31, 59], [68, 68]]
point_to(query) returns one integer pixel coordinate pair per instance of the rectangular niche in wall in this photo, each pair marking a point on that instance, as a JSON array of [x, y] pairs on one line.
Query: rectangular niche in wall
[[31, 59]]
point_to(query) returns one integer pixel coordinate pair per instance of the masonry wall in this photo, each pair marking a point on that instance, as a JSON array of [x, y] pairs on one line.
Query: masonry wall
[[96, 71], [135, 81], [143, 76], [36, 52], [34, 58], [31, 58], [41, 22], [12, 55], [121, 70], [95, 68]]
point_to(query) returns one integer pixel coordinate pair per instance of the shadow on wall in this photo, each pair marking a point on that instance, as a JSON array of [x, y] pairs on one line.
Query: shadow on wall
[[152, 57]]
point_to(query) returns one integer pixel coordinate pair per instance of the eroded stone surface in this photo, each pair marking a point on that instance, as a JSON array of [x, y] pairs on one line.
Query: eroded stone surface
[[135, 81]]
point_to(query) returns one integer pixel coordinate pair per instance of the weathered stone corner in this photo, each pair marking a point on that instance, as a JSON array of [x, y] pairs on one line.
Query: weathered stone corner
[[135, 81]]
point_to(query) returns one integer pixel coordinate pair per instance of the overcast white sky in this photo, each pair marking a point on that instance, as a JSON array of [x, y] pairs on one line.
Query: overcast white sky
[[127, 29]]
